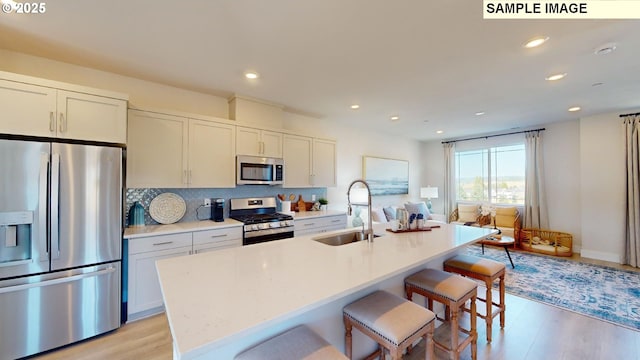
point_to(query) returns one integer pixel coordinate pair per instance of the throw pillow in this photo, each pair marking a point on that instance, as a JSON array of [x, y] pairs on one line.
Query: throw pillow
[[377, 215], [418, 208], [505, 216], [468, 213], [390, 213]]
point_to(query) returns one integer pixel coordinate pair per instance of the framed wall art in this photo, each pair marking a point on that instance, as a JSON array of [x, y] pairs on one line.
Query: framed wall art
[[386, 176]]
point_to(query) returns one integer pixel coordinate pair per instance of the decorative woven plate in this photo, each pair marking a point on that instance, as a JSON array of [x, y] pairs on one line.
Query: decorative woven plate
[[167, 208]]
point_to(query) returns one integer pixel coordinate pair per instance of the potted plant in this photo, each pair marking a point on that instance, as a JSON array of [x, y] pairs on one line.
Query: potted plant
[[323, 203]]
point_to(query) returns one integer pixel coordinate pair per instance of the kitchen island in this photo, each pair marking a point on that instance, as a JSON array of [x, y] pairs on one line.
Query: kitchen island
[[220, 303]]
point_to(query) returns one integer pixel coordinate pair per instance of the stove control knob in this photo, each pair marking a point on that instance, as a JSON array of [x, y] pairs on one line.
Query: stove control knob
[[254, 227], [283, 223], [274, 224], [264, 226]]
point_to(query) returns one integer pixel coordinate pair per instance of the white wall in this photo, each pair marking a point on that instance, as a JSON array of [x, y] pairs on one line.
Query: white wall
[[602, 189]]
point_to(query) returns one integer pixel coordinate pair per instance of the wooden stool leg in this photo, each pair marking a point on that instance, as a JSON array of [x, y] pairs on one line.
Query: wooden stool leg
[[347, 336], [489, 314], [455, 352], [474, 332], [503, 305], [428, 344]]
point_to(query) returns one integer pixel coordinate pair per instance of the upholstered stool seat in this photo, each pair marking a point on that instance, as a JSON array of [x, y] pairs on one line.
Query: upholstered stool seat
[[453, 291], [393, 322], [294, 344], [484, 270]]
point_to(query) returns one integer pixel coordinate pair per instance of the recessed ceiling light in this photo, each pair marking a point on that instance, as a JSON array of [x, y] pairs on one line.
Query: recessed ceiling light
[[536, 42], [395, 118], [480, 113], [605, 49], [439, 132], [251, 75], [555, 77], [574, 108], [355, 106]]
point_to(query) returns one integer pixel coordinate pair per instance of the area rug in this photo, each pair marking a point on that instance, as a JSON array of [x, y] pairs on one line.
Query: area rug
[[601, 292]]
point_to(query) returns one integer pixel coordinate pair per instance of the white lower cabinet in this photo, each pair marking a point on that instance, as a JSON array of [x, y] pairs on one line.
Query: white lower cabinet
[[320, 224], [210, 240], [144, 295]]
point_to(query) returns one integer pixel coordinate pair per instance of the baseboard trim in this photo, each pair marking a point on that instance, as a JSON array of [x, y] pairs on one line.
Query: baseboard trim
[[600, 255]]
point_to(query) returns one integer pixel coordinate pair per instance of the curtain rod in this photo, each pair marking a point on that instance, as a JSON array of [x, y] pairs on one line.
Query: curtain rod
[[488, 136], [632, 114]]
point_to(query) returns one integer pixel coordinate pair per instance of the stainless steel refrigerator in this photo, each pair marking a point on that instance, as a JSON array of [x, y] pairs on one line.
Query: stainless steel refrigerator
[[60, 244]]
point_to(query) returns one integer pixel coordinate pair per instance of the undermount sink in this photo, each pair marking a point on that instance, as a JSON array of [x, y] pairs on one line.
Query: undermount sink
[[343, 238]]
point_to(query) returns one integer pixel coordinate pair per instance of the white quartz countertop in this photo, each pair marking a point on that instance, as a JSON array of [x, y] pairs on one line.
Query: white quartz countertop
[[154, 230], [216, 298]]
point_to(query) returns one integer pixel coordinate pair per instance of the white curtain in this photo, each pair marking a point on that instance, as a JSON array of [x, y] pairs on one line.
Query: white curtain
[[449, 179], [535, 204], [632, 241]]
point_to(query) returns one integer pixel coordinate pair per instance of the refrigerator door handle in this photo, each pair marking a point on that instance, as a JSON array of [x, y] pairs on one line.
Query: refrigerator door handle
[[60, 280], [55, 203], [42, 207]]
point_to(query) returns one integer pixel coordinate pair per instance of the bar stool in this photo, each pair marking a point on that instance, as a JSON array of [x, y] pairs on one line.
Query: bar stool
[[293, 344], [453, 291], [391, 321], [485, 270]]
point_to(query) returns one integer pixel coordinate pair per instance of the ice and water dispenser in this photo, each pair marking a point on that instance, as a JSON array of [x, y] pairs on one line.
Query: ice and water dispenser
[[15, 236]]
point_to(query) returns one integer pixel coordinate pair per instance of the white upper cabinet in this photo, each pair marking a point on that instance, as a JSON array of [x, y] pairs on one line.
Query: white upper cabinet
[[90, 117], [297, 161], [257, 142], [29, 108], [309, 162], [324, 163], [170, 151], [211, 154], [156, 150]]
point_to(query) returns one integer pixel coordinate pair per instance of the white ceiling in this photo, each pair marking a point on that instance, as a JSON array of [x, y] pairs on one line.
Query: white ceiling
[[436, 61]]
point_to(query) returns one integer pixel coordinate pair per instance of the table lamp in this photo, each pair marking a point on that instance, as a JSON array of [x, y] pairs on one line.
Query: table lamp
[[429, 193]]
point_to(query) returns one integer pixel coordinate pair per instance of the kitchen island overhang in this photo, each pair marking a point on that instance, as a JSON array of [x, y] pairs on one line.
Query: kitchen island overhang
[[221, 302]]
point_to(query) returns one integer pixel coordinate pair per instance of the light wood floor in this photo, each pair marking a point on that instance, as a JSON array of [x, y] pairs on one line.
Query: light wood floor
[[533, 331]]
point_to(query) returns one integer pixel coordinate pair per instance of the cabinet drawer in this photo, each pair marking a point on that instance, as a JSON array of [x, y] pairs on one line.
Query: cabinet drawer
[[161, 242], [337, 221], [217, 235]]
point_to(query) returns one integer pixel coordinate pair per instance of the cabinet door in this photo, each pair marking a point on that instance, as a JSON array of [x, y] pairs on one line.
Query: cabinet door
[[297, 159], [247, 141], [211, 154], [324, 163], [271, 144], [144, 287], [27, 109], [90, 117], [156, 150]]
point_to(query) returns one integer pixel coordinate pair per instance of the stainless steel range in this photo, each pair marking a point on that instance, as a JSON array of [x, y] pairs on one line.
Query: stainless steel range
[[261, 221]]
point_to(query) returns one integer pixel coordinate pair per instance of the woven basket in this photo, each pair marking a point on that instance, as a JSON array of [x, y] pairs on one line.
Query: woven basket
[[546, 242]]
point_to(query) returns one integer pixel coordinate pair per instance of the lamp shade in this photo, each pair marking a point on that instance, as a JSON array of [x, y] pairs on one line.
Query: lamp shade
[[429, 192]]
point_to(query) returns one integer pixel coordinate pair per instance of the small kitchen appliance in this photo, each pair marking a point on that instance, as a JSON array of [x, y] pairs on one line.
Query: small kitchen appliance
[[217, 210], [261, 221], [256, 170]]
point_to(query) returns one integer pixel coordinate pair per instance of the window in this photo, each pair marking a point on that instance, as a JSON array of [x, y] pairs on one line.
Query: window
[[494, 175]]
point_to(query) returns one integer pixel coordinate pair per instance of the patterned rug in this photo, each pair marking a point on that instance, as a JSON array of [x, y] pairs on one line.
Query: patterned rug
[[601, 292]]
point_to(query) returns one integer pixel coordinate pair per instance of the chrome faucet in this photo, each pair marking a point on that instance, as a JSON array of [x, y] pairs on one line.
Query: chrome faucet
[[369, 232]]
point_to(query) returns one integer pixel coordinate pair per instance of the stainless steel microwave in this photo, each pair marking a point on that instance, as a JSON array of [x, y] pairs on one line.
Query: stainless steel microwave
[[256, 170]]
